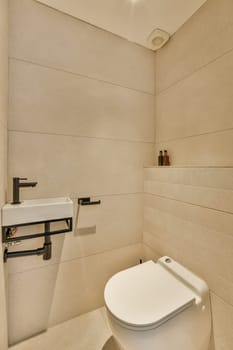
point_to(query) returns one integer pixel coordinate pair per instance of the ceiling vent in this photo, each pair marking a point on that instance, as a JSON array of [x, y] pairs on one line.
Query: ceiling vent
[[157, 39]]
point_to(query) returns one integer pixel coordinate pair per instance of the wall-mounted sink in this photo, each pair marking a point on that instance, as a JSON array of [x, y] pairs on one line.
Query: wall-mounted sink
[[37, 210]]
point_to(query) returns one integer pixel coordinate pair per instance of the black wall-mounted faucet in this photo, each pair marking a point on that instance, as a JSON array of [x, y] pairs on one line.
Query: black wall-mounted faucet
[[16, 187]]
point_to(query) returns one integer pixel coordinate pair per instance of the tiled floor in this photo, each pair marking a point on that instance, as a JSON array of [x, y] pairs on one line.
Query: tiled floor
[[86, 332]]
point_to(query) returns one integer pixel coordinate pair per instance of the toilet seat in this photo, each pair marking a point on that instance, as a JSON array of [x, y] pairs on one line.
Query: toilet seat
[[147, 295]]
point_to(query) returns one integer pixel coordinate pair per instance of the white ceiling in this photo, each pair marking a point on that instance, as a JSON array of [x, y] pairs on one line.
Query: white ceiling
[[130, 19]]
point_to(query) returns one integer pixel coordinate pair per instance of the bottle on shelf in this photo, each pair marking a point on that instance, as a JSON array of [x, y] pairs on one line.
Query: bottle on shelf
[[166, 160], [160, 158]]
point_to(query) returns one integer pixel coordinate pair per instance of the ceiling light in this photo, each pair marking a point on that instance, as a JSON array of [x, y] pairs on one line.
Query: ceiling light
[[157, 39]]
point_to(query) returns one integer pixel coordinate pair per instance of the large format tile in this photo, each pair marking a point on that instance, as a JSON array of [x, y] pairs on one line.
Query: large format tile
[[194, 236], [77, 166], [66, 43], [86, 332], [17, 265], [30, 296], [211, 219], [3, 163], [212, 149], [149, 253], [4, 61], [214, 198], [3, 151], [188, 237], [155, 244], [52, 101], [204, 37], [205, 177], [80, 283], [222, 323], [117, 222], [200, 104], [179, 222]]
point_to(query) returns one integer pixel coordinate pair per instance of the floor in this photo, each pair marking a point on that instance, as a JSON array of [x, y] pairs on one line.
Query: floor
[[87, 332]]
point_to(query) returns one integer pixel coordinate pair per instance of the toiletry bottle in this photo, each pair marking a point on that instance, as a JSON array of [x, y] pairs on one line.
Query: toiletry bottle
[[166, 160], [160, 158]]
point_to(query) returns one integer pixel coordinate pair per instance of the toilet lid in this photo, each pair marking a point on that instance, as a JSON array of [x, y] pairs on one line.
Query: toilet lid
[[146, 294]]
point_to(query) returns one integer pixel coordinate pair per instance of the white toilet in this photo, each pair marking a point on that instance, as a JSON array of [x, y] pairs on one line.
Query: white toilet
[[159, 306]]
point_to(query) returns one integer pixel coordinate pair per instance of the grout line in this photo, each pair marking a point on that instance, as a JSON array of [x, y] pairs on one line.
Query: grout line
[[188, 185], [195, 135], [80, 137], [154, 251], [111, 195], [157, 229], [100, 253], [185, 77], [220, 297], [3, 124], [58, 263], [189, 203], [79, 75], [107, 195]]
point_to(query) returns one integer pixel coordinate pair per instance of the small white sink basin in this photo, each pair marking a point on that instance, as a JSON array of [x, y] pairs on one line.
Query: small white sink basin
[[37, 210]]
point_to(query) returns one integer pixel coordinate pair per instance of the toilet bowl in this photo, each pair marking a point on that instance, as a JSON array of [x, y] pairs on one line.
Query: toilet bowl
[[159, 306]]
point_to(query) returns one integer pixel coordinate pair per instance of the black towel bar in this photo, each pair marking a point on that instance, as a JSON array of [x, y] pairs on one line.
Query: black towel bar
[[87, 201]]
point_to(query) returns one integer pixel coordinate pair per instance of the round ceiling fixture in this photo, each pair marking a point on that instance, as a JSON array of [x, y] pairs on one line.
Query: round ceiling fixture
[[157, 39]]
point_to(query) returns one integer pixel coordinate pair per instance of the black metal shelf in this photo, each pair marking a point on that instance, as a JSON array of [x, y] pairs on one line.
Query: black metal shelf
[[46, 250], [7, 239]]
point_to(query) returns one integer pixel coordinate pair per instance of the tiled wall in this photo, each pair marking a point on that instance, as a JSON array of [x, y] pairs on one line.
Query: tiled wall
[[81, 122], [188, 211], [3, 167], [194, 89], [188, 215]]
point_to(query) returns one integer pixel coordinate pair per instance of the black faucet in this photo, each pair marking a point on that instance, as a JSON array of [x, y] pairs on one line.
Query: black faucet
[[16, 187]]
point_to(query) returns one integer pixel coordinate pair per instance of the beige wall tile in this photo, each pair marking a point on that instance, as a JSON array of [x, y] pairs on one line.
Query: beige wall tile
[[3, 162], [111, 344], [200, 104], [193, 239], [66, 43], [212, 345], [197, 236], [34, 262], [149, 253], [218, 199], [193, 82], [208, 177], [117, 222], [29, 300], [3, 151], [222, 323], [211, 219], [212, 149], [156, 244], [4, 61], [203, 38], [77, 166], [193, 121], [74, 335], [81, 123], [80, 283], [52, 101]]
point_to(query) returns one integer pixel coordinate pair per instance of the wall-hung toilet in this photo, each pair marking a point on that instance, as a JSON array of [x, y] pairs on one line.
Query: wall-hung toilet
[[159, 306]]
